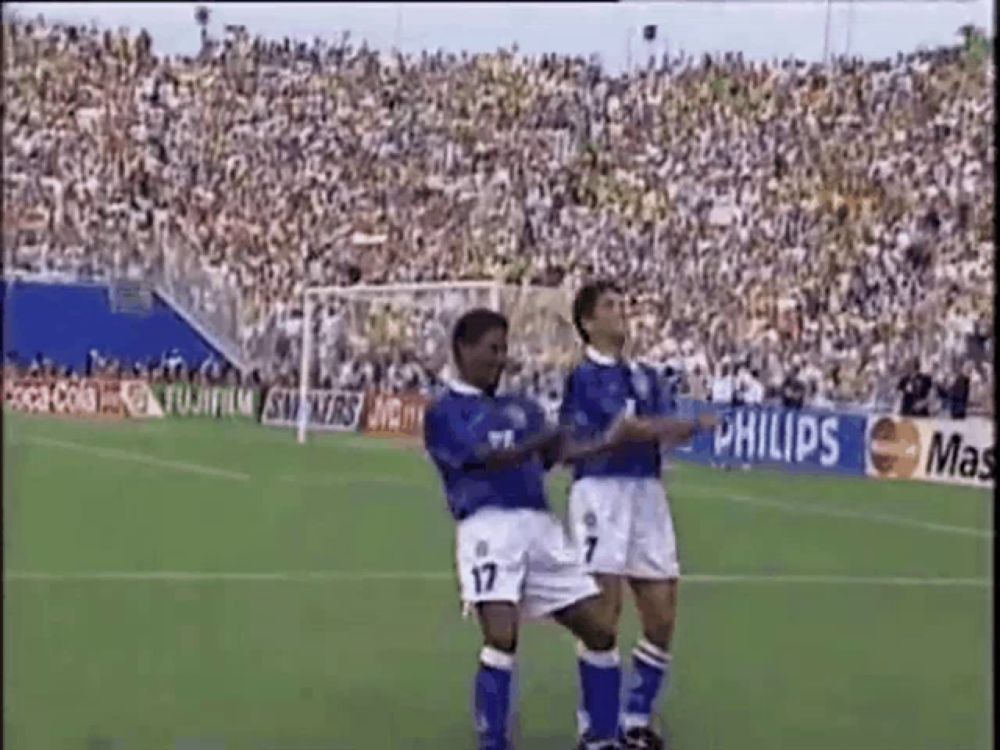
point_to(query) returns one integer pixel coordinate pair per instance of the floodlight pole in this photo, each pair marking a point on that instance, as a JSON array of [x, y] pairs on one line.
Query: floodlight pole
[[399, 27], [826, 32], [850, 27]]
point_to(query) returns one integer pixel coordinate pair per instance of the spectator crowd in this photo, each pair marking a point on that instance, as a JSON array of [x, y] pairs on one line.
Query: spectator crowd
[[782, 230]]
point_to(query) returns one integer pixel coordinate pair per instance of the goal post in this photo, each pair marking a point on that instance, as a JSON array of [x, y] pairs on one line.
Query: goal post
[[415, 321]]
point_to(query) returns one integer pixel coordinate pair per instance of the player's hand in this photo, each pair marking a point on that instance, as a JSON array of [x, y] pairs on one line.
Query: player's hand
[[550, 440], [708, 422], [551, 446], [632, 430]]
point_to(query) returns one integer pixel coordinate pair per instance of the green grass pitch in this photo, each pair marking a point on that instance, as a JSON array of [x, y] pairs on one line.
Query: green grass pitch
[[214, 586]]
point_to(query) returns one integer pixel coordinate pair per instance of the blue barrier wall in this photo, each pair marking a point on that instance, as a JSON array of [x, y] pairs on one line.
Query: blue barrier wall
[[804, 439], [65, 321]]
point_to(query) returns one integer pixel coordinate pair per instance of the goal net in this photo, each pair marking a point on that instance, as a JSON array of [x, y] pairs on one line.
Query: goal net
[[398, 336]]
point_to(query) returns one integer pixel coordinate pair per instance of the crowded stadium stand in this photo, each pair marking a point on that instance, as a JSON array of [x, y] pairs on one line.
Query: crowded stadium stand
[[776, 222]]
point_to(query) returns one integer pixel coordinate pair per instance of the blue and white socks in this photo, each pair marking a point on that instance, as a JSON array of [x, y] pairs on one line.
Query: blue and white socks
[[600, 685], [650, 676], [493, 698]]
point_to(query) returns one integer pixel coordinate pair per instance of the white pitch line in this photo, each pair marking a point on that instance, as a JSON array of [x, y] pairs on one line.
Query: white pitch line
[[202, 576], [391, 575], [116, 454], [807, 509], [338, 480], [333, 481], [790, 507]]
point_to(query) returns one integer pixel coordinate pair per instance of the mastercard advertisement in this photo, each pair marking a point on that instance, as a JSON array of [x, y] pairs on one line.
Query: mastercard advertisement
[[933, 450]]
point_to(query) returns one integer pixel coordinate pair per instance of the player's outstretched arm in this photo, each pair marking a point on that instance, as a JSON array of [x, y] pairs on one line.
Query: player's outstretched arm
[[625, 430], [548, 442], [671, 431], [452, 444]]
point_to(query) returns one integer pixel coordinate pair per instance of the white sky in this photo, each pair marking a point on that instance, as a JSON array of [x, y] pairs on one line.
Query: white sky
[[758, 29]]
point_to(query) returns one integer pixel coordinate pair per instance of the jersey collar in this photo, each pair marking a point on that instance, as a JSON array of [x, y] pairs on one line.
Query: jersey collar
[[601, 359], [464, 389]]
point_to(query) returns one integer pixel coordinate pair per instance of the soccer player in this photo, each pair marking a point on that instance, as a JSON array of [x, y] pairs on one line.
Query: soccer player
[[619, 515], [513, 556]]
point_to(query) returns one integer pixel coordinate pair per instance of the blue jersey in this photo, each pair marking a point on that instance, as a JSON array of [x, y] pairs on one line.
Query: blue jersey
[[597, 392], [462, 427]]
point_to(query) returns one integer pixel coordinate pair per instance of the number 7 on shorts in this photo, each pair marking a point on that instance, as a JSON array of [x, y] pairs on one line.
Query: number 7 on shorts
[[591, 543]]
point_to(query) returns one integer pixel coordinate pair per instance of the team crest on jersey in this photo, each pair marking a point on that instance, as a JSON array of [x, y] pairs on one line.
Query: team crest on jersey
[[482, 548], [590, 519], [517, 416]]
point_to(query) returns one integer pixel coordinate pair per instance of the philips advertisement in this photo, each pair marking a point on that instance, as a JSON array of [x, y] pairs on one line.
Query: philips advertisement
[[792, 439]]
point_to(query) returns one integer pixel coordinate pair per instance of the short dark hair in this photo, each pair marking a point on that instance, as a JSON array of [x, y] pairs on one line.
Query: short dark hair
[[586, 300], [473, 325]]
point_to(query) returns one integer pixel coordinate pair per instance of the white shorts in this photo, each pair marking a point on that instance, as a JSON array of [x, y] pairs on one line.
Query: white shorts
[[623, 527], [520, 556]]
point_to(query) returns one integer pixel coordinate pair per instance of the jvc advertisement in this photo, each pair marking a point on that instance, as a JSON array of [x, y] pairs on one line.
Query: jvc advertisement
[[792, 439]]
